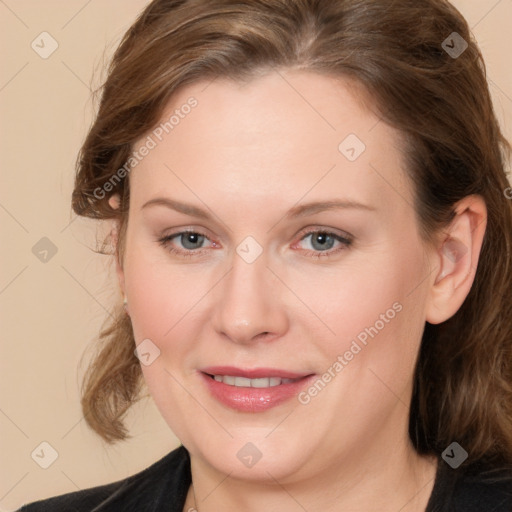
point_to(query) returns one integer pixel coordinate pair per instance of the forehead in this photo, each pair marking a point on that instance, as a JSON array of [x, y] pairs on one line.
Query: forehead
[[280, 136]]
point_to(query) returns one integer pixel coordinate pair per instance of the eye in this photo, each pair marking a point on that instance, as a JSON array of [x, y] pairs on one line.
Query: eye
[[185, 242], [321, 242]]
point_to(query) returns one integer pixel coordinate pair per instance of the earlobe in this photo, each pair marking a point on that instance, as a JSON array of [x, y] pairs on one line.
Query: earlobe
[[457, 259], [114, 202]]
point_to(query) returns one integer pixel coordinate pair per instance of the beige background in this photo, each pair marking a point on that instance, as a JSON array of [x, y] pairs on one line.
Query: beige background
[[50, 311]]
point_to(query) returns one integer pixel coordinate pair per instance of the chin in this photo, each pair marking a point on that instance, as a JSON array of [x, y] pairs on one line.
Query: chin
[[252, 456]]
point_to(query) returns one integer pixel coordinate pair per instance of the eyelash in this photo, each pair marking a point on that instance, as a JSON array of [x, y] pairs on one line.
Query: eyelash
[[345, 243]]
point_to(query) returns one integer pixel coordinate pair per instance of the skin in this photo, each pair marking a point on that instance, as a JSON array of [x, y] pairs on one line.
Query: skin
[[247, 154]]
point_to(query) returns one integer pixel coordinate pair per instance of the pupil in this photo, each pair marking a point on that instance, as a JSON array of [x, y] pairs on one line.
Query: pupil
[[190, 240], [321, 241]]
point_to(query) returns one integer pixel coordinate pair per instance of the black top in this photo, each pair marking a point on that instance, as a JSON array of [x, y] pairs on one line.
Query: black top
[[164, 486]]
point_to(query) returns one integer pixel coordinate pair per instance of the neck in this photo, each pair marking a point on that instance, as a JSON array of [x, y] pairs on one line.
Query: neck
[[396, 479]]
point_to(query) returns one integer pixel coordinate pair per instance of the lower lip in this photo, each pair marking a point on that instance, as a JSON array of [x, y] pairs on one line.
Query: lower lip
[[254, 399]]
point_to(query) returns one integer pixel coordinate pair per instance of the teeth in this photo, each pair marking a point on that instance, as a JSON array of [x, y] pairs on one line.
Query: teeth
[[229, 380], [244, 382], [260, 383], [274, 381]]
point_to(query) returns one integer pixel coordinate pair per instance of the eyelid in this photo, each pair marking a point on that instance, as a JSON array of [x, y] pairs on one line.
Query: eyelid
[[326, 230], [166, 239], [344, 239]]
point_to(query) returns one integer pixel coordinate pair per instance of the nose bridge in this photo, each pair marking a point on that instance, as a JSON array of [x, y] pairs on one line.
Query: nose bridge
[[248, 305]]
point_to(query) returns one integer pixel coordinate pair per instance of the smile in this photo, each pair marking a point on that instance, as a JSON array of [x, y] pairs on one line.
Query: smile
[[244, 382], [253, 390]]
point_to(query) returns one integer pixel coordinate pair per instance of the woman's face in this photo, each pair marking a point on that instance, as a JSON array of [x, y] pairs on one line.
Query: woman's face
[[304, 262]]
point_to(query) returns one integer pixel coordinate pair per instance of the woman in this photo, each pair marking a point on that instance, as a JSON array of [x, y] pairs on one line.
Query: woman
[[312, 238]]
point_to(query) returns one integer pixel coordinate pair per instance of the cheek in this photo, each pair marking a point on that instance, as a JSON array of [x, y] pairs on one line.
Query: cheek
[[159, 294], [161, 304], [376, 311], [364, 297]]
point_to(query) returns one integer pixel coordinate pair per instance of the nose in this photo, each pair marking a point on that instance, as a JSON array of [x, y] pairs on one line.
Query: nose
[[248, 304]]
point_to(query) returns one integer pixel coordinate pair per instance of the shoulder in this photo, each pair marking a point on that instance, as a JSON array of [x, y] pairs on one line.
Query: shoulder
[[165, 481], [485, 489], [475, 489]]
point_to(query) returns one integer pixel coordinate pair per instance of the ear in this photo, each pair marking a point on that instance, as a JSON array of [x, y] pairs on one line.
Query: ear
[[115, 202], [457, 252]]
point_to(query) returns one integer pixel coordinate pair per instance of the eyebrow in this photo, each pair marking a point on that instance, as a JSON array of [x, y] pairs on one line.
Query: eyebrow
[[301, 210], [185, 208], [320, 206]]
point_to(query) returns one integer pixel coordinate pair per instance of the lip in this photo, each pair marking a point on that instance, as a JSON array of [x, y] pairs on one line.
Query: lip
[[253, 399], [252, 373]]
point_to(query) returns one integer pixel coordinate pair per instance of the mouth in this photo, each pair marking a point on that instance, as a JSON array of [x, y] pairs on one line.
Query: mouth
[[244, 382], [254, 390]]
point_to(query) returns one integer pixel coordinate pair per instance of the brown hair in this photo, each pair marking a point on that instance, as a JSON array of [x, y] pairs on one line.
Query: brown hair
[[440, 102]]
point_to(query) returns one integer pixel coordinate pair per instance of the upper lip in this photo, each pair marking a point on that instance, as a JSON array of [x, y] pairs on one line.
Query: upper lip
[[252, 373]]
